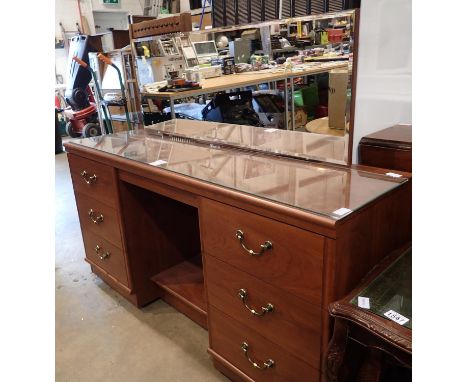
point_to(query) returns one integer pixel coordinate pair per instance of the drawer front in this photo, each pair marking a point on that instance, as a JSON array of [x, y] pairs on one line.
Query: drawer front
[[93, 179], [288, 321], [108, 257], [99, 218], [293, 263], [227, 337]]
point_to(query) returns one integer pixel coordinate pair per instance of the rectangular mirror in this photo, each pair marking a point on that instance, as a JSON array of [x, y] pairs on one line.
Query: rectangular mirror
[[294, 78]]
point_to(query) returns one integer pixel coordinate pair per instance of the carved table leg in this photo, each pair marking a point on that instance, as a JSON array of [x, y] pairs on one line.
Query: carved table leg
[[336, 349], [372, 367]]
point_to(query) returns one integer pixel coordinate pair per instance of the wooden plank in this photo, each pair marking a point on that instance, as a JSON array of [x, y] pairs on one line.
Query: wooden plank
[[184, 283]]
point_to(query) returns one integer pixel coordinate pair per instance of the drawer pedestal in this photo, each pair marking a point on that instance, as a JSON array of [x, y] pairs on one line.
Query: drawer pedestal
[[258, 274]]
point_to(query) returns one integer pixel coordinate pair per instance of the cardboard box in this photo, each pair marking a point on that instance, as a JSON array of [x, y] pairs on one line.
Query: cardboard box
[[337, 97]]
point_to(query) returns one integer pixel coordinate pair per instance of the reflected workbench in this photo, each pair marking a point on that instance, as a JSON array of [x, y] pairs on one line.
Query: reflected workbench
[[242, 80]]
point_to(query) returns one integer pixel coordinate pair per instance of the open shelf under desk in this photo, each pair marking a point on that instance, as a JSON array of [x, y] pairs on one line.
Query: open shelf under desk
[[182, 287]]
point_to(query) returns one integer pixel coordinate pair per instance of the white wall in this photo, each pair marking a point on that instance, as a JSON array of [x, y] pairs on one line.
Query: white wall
[[66, 11], [105, 20], [383, 94]]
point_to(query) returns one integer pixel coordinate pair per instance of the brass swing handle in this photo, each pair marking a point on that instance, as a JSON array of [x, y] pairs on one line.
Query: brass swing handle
[[100, 252], [88, 179], [262, 365], [95, 219], [265, 309], [264, 247]]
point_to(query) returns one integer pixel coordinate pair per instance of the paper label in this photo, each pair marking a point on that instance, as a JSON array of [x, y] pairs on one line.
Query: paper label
[[363, 302], [393, 175], [397, 317], [342, 211], [159, 162]]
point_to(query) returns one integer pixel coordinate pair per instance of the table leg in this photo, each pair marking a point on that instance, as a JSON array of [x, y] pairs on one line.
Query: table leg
[[171, 100], [293, 106], [286, 106], [336, 349], [371, 368]]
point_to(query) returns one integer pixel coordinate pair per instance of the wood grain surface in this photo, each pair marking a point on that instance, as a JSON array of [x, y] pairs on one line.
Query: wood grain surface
[[108, 228], [114, 264], [293, 264], [103, 189], [293, 324], [227, 336]]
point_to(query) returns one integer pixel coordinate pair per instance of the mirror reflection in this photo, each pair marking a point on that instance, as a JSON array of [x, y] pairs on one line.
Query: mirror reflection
[[288, 75]]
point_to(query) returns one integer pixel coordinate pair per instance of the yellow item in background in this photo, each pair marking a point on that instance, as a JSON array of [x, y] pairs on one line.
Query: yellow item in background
[[146, 51], [323, 38]]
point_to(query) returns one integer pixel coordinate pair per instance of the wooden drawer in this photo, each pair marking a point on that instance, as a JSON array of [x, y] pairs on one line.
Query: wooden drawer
[[104, 220], [103, 188], [385, 157], [293, 324], [227, 337], [114, 263], [294, 263]]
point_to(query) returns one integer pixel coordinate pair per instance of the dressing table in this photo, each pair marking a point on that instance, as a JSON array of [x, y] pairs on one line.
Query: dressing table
[[245, 230], [251, 232]]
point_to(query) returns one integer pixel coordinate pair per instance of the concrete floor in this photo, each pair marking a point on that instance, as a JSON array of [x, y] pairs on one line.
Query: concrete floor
[[102, 337]]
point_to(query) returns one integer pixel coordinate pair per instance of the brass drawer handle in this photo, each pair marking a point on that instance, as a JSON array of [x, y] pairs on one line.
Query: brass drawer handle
[[95, 219], [263, 365], [265, 309], [88, 179], [264, 247], [100, 252]]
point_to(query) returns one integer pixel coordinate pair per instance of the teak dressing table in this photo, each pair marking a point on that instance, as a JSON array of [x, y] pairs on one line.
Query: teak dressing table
[[251, 246]]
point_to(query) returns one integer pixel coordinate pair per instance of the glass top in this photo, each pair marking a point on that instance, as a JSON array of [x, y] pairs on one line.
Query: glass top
[[297, 144], [332, 191], [391, 291]]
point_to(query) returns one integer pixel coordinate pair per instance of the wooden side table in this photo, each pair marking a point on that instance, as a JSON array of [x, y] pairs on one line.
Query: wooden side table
[[387, 288], [388, 148]]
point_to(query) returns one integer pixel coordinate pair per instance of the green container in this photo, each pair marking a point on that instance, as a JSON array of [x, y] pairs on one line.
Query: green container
[[298, 100], [310, 98]]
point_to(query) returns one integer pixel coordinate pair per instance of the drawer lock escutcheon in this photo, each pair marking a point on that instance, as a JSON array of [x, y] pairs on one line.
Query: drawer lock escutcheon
[[96, 219], [88, 179], [101, 253], [263, 247], [269, 363], [265, 309]]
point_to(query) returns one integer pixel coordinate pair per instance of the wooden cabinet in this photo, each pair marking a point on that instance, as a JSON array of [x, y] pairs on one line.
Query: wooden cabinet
[[388, 148], [96, 195], [258, 270]]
